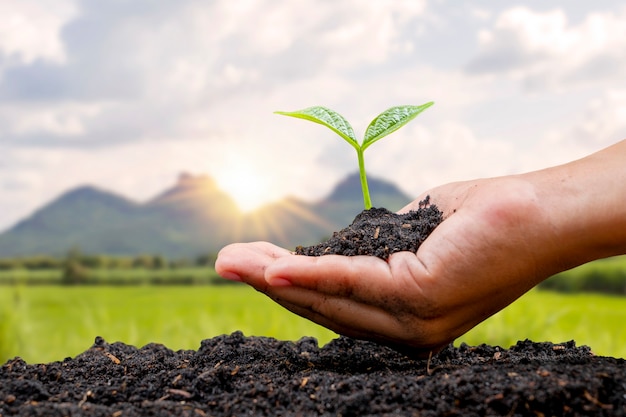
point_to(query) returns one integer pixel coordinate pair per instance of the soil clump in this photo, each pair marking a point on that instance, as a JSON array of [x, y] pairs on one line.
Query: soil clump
[[380, 232], [238, 375]]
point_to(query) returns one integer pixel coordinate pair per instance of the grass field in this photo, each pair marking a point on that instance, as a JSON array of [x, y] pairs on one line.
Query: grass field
[[52, 322], [47, 323], [102, 276]]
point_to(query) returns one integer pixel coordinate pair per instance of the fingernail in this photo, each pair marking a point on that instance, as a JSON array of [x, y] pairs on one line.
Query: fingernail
[[278, 282], [231, 276]]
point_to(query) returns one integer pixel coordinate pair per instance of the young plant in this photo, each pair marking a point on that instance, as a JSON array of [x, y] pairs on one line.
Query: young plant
[[385, 123]]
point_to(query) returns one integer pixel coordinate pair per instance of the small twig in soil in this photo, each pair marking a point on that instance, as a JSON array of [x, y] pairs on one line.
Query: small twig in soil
[[430, 357]]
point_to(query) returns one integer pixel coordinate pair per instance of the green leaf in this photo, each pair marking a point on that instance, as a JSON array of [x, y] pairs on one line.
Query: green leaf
[[391, 120], [329, 118]]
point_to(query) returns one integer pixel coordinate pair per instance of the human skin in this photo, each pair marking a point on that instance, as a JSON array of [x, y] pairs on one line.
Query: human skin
[[500, 237]]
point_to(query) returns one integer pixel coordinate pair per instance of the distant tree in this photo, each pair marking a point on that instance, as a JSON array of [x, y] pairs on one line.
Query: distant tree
[[120, 262], [94, 261], [179, 263], [142, 261], [10, 263], [74, 272], [42, 262], [158, 262], [207, 259]]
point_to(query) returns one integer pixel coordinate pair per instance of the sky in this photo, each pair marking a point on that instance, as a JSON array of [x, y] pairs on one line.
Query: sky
[[125, 95]]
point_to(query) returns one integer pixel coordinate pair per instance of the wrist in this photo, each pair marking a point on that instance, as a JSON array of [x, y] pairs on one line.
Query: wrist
[[583, 202]]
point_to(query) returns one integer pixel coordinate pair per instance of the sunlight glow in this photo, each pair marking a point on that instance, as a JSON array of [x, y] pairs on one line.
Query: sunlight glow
[[245, 186]]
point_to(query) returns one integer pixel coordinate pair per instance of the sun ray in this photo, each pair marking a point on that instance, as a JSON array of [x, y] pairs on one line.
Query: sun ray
[[274, 220], [246, 186]]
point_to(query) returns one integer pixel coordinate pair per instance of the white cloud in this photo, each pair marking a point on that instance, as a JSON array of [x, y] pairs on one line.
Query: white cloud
[[601, 123], [155, 74], [62, 120], [481, 13], [30, 29], [426, 157], [372, 32], [545, 51]]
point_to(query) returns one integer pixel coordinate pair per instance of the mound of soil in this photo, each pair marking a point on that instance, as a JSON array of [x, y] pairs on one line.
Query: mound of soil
[[237, 375], [379, 232]]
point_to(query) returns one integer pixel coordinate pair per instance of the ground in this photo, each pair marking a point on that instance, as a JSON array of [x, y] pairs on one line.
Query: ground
[[379, 232], [237, 375]]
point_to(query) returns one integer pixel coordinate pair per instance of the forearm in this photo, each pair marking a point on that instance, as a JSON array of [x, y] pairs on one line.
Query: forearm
[[585, 205]]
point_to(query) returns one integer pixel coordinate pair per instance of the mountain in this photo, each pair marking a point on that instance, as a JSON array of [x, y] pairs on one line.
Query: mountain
[[194, 213], [349, 190], [346, 200], [293, 222], [80, 217], [192, 217]]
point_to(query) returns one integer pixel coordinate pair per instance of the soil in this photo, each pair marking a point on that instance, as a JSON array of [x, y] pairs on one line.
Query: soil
[[235, 375], [379, 232]]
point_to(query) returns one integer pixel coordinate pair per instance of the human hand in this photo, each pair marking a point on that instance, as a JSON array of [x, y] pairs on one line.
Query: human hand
[[492, 247]]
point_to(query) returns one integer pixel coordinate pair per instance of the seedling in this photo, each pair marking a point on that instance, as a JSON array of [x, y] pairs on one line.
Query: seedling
[[385, 123]]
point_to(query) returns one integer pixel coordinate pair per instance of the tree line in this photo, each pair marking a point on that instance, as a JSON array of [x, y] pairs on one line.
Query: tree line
[[97, 261], [77, 268]]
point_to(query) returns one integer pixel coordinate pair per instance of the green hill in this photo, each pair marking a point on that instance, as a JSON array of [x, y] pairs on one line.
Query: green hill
[[192, 217]]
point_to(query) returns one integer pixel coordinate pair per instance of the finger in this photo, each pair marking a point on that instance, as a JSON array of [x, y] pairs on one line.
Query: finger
[[247, 262], [397, 282], [351, 277], [358, 320], [343, 315]]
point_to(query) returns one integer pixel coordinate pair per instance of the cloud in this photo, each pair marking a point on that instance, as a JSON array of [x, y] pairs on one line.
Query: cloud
[[30, 31], [602, 123], [446, 152], [151, 66], [65, 120], [544, 51]]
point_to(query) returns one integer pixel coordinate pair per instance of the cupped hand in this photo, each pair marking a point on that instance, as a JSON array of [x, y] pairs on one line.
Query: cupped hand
[[493, 245]]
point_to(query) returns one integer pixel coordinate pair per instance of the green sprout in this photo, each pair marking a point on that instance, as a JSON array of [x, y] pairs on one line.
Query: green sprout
[[385, 123]]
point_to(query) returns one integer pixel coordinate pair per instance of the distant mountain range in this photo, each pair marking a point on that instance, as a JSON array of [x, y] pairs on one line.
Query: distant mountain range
[[192, 217]]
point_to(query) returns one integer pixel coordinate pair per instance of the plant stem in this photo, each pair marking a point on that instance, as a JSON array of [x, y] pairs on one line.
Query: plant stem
[[367, 202]]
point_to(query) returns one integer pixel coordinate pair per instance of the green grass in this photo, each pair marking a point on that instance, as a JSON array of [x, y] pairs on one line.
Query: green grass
[[606, 276], [104, 276], [590, 319], [47, 323], [21, 275], [8, 323], [51, 322]]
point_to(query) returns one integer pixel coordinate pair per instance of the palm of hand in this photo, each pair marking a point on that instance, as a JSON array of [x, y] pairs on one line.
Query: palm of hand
[[474, 264]]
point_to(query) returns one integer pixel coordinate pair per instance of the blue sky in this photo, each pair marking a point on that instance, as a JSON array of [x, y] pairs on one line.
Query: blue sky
[[125, 95]]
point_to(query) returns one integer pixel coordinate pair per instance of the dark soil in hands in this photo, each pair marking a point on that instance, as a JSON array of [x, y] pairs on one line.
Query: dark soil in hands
[[236, 375], [379, 232]]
